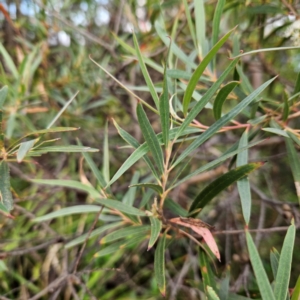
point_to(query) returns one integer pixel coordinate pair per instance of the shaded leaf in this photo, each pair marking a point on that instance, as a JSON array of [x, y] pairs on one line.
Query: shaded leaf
[[208, 276], [296, 292], [3, 95], [175, 207], [221, 97], [221, 183]]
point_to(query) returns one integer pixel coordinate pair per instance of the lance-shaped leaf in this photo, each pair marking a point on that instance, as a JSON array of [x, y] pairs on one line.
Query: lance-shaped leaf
[[221, 97], [24, 149], [6, 196], [206, 271], [199, 71], [164, 109], [259, 271], [294, 163], [296, 292], [286, 106], [156, 226], [202, 229], [159, 264], [3, 94], [276, 131], [134, 143], [175, 207], [274, 259], [204, 100], [150, 137], [145, 72], [143, 149], [95, 232], [221, 122], [152, 186], [120, 245], [68, 148], [124, 233], [220, 184], [212, 295], [243, 184], [285, 263], [119, 206], [297, 85], [200, 21]]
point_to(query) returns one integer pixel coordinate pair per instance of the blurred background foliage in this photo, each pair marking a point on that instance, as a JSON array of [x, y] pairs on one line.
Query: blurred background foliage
[[45, 48]]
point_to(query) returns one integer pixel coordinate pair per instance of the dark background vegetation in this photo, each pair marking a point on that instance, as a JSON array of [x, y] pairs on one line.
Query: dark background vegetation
[[50, 43]]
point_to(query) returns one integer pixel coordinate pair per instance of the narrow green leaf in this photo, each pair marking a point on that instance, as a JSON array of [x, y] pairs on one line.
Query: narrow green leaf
[[67, 211], [285, 264], [24, 149], [159, 264], [129, 197], [124, 233], [152, 186], [296, 292], [212, 295], [214, 163], [68, 148], [294, 163], [243, 184], [134, 143], [274, 259], [156, 226], [204, 100], [216, 24], [199, 71], [276, 131], [208, 276], [95, 232], [143, 150], [69, 184], [190, 22], [100, 179], [6, 196], [200, 25], [9, 63], [221, 183], [121, 245], [105, 169], [286, 106], [164, 109], [221, 97], [174, 48], [147, 196], [294, 137], [3, 95], [119, 206], [145, 72], [297, 85], [150, 137], [221, 122], [259, 271], [224, 286], [62, 110], [175, 208]]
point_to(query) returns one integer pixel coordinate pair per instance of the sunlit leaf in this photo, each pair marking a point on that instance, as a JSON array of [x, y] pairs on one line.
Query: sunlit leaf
[[3, 95], [150, 138], [296, 292], [206, 271], [156, 226], [212, 295], [24, 149], [159, 264], [259, 271], [285, 264]]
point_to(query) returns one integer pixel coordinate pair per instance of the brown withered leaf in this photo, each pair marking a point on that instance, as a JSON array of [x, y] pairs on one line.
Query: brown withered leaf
[[202, 229]]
